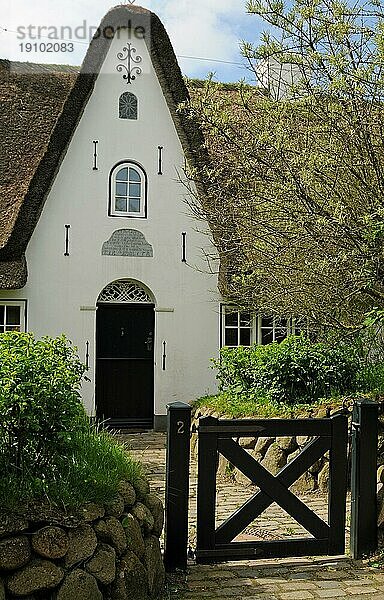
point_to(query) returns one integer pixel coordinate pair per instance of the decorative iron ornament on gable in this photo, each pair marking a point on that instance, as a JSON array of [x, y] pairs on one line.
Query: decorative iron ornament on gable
[[129, 65]]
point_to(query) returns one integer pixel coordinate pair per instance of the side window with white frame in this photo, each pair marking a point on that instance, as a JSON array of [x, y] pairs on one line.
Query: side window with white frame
[[236, 327], [128, 191], [241, 328], [12, 316]]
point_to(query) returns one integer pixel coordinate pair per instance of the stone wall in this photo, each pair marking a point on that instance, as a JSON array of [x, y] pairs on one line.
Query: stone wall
[[109, 551]]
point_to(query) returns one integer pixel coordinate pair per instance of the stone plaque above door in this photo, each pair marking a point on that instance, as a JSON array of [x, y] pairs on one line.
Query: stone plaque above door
[[127, 242]]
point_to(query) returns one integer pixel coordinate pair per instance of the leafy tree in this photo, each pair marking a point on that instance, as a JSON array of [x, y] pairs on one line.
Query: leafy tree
[[294, 190]]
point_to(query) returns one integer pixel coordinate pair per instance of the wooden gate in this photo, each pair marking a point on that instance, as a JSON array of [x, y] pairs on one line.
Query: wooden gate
[[217, 437]]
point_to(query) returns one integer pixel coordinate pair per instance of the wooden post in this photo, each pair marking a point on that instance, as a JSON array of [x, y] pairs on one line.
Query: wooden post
[[363, 478], [177, 486]]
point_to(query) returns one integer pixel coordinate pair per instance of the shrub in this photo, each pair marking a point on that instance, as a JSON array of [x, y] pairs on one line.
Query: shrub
[[296, 370], [48, 447], [40, 404]]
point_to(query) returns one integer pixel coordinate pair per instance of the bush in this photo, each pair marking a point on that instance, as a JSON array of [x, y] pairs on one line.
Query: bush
[[48, 447], [40, 404], [296, 370]]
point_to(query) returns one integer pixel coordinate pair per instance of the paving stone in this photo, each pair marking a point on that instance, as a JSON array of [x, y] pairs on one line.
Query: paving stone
[[325, 585], [332, 593], [303, 595], [299, 585], [360, 590]]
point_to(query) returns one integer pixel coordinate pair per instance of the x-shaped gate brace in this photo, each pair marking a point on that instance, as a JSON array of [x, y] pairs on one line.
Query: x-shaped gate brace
[[217, 437]]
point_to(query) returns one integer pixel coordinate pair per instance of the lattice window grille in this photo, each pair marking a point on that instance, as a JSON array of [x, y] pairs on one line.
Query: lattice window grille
[[128, 106], [124, 291]]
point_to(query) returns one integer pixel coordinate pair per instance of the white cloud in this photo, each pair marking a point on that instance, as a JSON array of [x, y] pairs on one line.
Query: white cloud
[[202, 28], [206, 28]]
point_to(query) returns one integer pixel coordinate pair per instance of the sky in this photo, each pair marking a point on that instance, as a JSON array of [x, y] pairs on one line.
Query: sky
[[207, 31]]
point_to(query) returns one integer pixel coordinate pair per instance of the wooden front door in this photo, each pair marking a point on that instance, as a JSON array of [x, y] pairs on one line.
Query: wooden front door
[[124, 364]]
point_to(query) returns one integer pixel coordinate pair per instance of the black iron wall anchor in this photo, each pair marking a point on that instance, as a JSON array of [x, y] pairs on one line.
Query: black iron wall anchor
[[184, 247], [95, 145], [363, 478], [177, 486], [87, 356], [66, 251], [160, 165]]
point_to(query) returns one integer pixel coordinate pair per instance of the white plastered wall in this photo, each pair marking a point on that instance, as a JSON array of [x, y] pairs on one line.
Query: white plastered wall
[[62, 290]]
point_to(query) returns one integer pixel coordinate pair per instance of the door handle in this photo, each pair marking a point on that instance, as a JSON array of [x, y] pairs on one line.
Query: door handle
[[149, 341]]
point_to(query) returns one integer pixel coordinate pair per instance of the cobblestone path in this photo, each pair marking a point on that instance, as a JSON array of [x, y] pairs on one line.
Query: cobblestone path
[[272, 579]]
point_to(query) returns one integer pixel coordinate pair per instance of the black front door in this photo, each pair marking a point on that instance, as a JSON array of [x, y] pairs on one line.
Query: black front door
[[124, 364]]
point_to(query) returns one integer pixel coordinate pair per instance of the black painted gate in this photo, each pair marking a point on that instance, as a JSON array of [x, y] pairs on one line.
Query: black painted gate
[[219, 437], [215, 437], [125, 364]]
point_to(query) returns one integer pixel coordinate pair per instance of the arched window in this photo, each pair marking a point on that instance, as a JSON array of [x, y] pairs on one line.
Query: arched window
[[128, 191], [125, 290], [128, 106]]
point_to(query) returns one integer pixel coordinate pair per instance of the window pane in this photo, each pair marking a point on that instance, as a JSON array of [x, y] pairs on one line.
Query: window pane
[[13, 327], [267, 322], [245, 337], [280, 335], [134, 175], [266, 336], [2, 314], [13, 315], [231, 317], [135, 190], [245, 319], [300, 327], [122, 175], [121, 204], [281, 322], [134, 205], [121, 189], [1, 328], [231, 337]]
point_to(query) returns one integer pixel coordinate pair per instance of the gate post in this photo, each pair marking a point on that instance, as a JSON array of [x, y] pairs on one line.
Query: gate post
[[177, 486], [363, 478]]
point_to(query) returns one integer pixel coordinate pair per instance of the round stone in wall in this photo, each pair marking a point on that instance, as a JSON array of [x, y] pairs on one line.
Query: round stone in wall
[[51, 542], [36, 576], [79, 585], [15, 552], [103, 564]]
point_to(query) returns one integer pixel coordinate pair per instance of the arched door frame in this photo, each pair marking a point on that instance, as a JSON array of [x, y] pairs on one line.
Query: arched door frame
[[125, 332]]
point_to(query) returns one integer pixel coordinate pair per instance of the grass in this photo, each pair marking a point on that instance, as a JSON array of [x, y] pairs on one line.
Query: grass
[[89, 472], [242, 406]]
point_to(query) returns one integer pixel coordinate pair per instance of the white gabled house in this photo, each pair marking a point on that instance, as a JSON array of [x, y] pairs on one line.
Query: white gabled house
[[96, 239]]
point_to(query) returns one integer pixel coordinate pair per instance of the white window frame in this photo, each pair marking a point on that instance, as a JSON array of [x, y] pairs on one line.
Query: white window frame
[[22, 304], [256, 328], [113, 181], [228, 308]]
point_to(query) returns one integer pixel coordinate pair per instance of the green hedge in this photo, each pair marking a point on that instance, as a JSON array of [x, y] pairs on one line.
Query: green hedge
[[296, 370]]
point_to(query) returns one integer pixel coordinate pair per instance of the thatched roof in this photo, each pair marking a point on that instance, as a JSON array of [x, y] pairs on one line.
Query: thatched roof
[[40, 107]]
